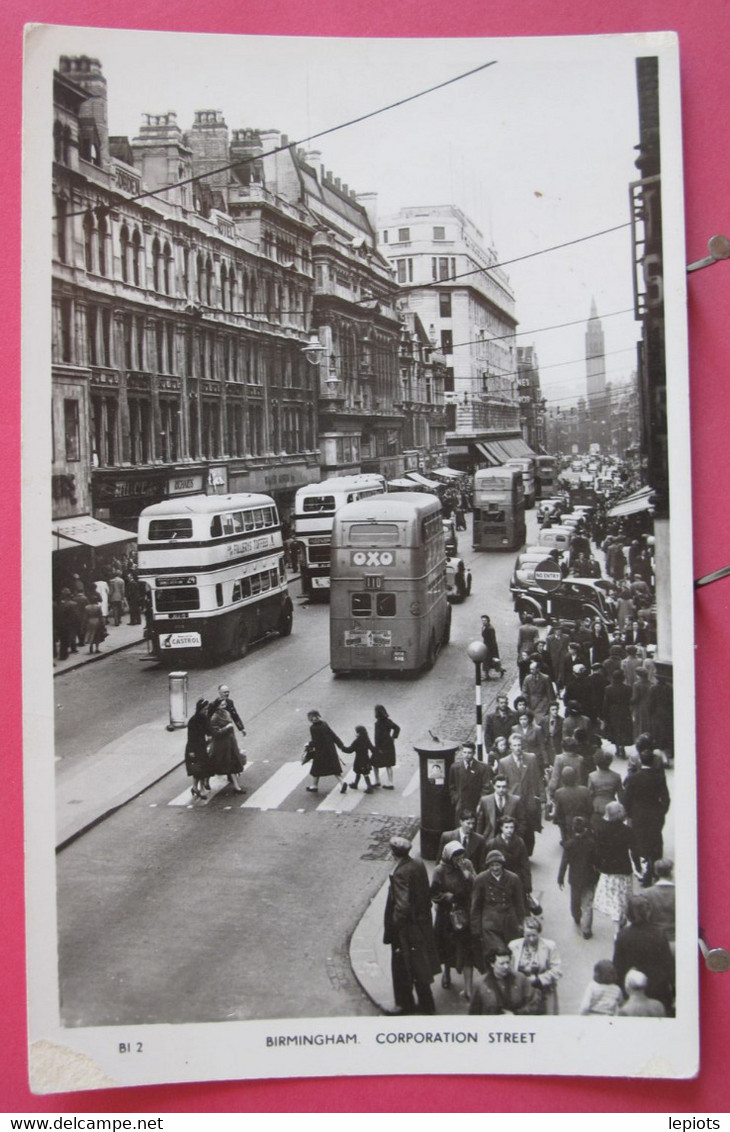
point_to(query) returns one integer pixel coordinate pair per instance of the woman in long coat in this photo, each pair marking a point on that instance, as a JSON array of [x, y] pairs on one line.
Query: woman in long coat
[[384, 732], [95, 627], [619, 726], [640, 702], [224, 756], [196, 749], [451, 886], [321, 751]]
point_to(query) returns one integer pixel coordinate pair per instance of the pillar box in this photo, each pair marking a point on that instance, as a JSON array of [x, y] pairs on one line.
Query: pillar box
[[436, 757], [178, 693]]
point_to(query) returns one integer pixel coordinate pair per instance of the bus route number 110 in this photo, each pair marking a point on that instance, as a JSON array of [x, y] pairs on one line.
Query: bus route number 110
[[373, 581]]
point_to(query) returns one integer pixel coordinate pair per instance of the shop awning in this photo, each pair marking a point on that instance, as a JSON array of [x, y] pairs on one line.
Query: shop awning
[[642, 500], [447, 473], [432, 485], [401, 485], [86, 531], [493, 458], [498, 452]]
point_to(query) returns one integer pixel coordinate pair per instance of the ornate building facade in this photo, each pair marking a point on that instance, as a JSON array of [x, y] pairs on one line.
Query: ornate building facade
[[182, 314]]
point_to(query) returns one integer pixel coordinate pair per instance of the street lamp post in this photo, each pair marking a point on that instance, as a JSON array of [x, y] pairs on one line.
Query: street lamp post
[[477, 652]]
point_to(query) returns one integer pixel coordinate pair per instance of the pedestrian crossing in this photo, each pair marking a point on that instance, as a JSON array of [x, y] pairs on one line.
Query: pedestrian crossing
[[289, 779]]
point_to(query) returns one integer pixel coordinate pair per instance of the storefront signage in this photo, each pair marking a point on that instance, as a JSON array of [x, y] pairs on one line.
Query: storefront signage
[[185, 485]]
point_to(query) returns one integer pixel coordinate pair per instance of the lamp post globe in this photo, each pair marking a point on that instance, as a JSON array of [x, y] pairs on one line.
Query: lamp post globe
[[477, 651]]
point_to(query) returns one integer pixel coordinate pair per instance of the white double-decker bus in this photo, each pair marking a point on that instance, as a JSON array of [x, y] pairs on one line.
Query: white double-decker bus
[[215, 568], [315, 507]]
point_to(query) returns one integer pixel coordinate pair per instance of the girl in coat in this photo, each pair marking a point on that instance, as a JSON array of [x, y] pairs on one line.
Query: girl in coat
[[362, 766], [95, 626], [196, 749], [224, 756], [386, 730]]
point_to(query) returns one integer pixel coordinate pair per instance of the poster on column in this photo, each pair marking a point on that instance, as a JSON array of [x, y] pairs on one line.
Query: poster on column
[[340, 766]]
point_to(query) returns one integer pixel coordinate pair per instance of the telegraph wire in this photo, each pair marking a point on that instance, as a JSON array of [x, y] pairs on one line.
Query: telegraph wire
[[304, 140]]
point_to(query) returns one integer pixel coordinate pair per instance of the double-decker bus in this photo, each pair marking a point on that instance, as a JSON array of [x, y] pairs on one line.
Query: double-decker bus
[[545, 481], [388, 605], [499, 509], [526, 465], [315, 507], [215, 568]]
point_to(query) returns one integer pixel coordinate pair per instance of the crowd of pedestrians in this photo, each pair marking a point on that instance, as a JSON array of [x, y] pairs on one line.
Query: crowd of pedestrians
[[90, 602], [589, 698]]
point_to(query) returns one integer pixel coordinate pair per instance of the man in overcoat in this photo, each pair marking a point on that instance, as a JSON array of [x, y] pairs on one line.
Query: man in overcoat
[[468, 780], [524, 779], [497, 907], [473, 844], [408, 928], [494, 808]]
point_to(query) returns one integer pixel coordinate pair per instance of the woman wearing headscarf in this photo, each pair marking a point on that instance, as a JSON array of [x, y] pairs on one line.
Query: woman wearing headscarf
[[613, 857], [384, 732], [224, 756], [196, 749], [451, 888], [539, 961]]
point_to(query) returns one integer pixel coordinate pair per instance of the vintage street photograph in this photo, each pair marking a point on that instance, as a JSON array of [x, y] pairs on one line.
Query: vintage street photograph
[[357, 663]]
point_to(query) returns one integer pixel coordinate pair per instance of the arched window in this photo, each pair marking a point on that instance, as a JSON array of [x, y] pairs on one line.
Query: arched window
[[57, 141], [137, 258], [89, 238], [209, 282], [125, 250], [167, 269], [233, 291], [199, 276], [103, 237], [224, 285], [61, 222], [156, 264]]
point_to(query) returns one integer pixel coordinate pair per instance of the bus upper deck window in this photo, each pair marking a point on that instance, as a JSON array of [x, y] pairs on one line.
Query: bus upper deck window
[[248, 520], [227, 524], [361, 605], [166, 530], [259, 518], [237, 518]]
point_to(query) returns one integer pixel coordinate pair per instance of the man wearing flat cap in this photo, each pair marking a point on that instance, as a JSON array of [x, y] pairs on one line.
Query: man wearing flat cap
[[408, 928], [497, 906]]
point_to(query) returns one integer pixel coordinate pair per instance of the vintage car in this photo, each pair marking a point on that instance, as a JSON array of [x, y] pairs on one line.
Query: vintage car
[[456, 593], [573, 600], [451, 542]]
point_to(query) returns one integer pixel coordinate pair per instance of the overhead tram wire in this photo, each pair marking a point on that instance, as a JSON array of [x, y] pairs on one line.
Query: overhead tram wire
[[302, 141], [517, 259]]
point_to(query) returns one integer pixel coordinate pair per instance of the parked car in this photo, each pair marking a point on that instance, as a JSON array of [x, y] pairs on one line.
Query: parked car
[[575, 599], [457, 593], [450, 540]]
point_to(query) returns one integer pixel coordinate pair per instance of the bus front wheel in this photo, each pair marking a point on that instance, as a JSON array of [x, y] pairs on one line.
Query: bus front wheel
[[285, 621], [240, 641]]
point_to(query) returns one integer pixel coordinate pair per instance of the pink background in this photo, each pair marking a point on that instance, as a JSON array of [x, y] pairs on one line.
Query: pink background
[[704, 32]]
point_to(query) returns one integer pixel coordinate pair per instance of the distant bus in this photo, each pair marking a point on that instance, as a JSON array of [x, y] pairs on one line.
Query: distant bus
[[546, 482], [527, 467], [215, 568], [315, 507], [388, 605], [499, 509]]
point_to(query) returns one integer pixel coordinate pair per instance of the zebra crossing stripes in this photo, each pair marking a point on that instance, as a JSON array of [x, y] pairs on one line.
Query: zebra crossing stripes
[[277, 788]]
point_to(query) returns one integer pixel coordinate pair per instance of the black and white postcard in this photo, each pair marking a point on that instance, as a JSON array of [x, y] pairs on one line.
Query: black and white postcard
[[355, 404]]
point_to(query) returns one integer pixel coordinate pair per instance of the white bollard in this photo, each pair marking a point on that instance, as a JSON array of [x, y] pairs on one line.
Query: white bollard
[[178, 693]]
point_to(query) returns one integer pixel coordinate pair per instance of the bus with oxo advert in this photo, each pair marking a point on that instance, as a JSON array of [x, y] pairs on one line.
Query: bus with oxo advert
[[215, 568], [499, 509], [388, 602]]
